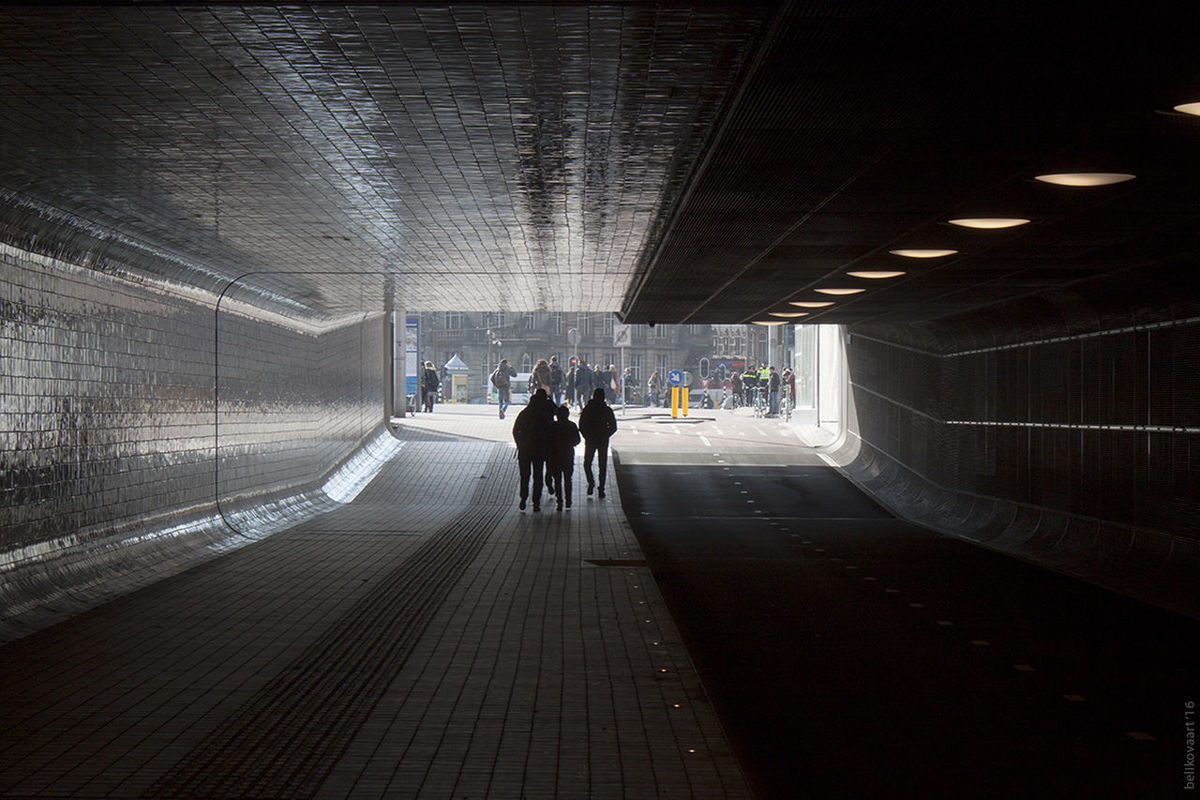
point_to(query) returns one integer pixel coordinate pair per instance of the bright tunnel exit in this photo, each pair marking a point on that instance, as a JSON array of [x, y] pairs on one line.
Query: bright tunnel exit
[[638, 365]]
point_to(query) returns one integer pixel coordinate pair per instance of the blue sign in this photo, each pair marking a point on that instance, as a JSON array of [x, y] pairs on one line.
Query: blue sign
[[675, 377], [412, 329]]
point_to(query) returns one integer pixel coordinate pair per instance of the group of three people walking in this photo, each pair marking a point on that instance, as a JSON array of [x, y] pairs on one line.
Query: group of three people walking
[[546, 439]]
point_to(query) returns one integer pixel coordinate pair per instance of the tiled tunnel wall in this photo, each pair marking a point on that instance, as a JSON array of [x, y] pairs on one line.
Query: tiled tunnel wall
[[1079, 451], [119, 465]]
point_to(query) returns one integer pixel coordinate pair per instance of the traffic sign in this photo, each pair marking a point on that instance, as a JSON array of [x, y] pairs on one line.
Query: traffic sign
[[675, 377], [622, 335]]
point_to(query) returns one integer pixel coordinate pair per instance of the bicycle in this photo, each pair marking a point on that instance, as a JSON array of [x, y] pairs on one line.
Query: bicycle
[[785, 406], [760, 402]]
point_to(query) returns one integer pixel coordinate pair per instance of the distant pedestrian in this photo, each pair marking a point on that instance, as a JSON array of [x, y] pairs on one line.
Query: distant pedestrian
[[654, 388], [429, 384], [749, 385], [583, 383], [773, 384], [597, 423], [612, 383], [541, 375], [557, 379], [572, 375], [533, 432], [628, 385], [566, 436], [502, 379]]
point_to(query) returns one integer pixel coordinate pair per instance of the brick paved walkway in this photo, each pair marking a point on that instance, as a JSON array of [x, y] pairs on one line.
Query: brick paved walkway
[[424, 641]]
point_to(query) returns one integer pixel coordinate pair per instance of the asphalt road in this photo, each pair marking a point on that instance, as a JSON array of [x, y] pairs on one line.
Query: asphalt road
[[850, 654]]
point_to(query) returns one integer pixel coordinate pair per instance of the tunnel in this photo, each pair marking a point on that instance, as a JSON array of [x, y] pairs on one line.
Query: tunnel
[[213, 215]]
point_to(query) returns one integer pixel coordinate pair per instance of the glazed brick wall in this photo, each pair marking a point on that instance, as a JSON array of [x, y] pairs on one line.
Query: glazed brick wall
[[1102, 426], [108, 415]]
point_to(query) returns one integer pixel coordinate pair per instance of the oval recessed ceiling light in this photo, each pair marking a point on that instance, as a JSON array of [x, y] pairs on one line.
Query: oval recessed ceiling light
[[1085, 178], [840, 291], [810, 303], [768, 322], [988, 223], [876, 274], [788, 314], [1189, 108], [922, 253]]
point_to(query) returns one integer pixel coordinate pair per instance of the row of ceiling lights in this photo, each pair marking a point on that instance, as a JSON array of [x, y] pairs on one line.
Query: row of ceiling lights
[[1077, 179]]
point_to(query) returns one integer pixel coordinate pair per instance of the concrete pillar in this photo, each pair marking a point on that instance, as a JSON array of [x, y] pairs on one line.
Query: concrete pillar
[[389, 338], [399, 357]]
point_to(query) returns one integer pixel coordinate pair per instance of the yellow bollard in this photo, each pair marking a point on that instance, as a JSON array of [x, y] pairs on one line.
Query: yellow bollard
[[684, 402], [674, 401]]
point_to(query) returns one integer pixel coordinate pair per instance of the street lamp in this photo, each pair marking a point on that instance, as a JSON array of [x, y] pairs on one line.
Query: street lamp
[[493, 341], [573, 340]]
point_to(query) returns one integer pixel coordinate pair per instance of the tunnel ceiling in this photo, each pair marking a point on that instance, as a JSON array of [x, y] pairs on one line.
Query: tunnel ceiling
[[702, 162]]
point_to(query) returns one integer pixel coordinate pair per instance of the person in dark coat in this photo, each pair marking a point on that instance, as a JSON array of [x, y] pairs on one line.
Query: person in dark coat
[[612, 383], [583, 383], [566, 436], [430, 383], [597, 423], [502, 380], [557, 381], [533, 431], [572, 375], [773, 384]]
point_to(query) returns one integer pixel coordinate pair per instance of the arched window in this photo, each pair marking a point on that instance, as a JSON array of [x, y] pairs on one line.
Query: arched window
[[526, 363]]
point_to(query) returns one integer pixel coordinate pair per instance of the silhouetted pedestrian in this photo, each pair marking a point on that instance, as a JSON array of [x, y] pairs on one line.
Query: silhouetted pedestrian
[[533, 431], [566, 436], [597, 423]]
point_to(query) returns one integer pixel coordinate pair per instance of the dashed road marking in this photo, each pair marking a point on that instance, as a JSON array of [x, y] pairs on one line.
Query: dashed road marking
[[706, 442]]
